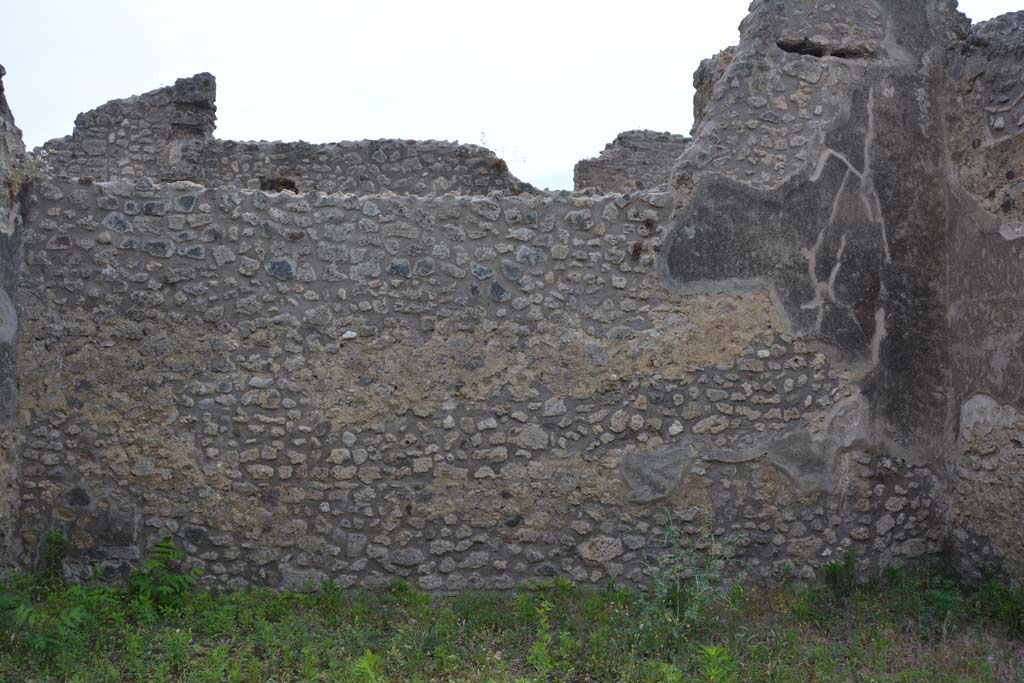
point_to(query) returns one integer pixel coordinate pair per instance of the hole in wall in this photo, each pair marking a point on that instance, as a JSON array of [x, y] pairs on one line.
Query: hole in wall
[[852, 53], [806, 46], [278, 185], [802, 47]]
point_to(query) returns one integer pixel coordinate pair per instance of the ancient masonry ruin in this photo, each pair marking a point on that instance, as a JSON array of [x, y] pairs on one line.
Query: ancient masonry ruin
[[803, 326]]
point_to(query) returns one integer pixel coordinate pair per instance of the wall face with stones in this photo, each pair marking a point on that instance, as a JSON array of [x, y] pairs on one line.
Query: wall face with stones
[[806, 339], [816, 175], [635, 160], [365, 167], [167, 134], [161, 134], [11, 195], [467, 392], [835, 202], [987, 294]]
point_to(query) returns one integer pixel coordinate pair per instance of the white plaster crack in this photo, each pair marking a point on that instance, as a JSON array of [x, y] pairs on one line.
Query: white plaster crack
[[868, 179], [824, 292]]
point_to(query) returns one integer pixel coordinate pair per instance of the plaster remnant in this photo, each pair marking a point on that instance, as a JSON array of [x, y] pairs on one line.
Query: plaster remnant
[[8, 319]]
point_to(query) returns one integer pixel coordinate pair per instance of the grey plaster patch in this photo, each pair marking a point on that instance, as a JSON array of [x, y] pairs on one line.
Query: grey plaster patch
[[809, 465], [8, 220], [808, 460], [8, 319], [982, 409], [301, 579], [653, 476], [1011, 231]]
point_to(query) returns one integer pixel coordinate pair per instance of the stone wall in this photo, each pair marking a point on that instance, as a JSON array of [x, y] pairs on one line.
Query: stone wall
[[806, 343], [161, 134], [167, 134], [365, 167], [987, 294], [635, 160], [464, 391], [12, 186], [705, 78]]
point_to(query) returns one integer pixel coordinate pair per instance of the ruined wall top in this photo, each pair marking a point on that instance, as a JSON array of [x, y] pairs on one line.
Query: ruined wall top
[[161, 134], [167, 134], [634, 160], [988, 116], [762, 105], [10, 136]]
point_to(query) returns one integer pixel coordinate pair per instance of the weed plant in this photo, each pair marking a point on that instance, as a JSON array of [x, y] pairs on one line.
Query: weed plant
[[908, 626]]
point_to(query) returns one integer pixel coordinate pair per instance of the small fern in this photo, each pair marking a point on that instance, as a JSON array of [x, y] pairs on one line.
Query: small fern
[[161, 582], [841, 577], [717, 665], [51, 571], [37, 628], [367, 668], [539, 655]]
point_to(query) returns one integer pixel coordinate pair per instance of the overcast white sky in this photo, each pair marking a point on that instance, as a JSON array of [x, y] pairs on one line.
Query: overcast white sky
[[543, 83]]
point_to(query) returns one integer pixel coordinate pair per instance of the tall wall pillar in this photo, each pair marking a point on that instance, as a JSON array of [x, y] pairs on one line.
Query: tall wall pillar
[[12, 182]]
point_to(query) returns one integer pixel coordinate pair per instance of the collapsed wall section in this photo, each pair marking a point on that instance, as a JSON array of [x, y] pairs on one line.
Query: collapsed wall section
[[367, 167], [161, 134], [635, 160], [12, 192], [167, 135]]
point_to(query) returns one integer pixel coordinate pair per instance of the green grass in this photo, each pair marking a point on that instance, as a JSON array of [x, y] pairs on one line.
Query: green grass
[[906, 627]]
